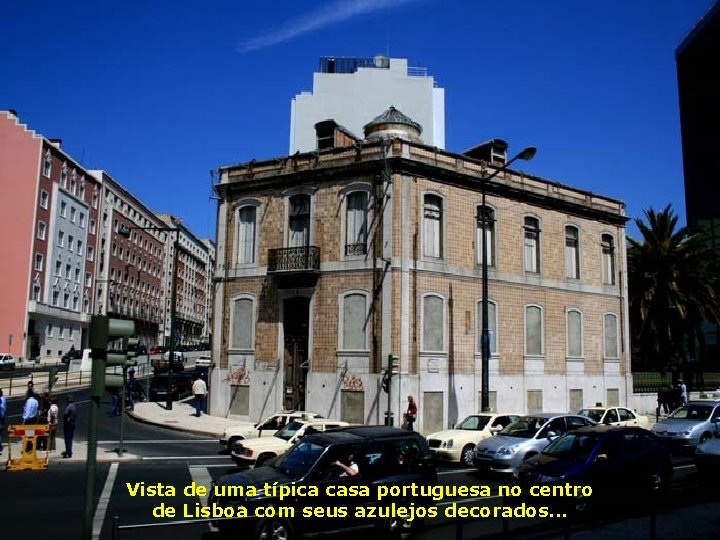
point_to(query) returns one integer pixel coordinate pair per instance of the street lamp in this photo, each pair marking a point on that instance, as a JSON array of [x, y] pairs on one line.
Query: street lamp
[[527, 154], [125, 233]]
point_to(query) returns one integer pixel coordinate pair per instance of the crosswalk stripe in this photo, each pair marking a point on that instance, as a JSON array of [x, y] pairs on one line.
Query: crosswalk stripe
[[201, 477]]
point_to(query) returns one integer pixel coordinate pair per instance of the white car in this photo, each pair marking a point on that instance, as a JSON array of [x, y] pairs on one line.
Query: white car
[[616, 416], [458, 444], [244, 430], [259, 450], [7, 361]]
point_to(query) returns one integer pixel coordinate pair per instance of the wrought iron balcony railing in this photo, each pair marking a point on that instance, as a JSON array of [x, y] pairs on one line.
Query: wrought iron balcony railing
[[295, 259], [356, 249]]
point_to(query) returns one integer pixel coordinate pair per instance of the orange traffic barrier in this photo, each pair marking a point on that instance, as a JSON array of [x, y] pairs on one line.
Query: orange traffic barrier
[[28, 435]]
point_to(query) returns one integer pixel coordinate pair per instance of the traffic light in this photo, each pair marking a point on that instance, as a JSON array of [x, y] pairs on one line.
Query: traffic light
[[103, 332], [394, 364]]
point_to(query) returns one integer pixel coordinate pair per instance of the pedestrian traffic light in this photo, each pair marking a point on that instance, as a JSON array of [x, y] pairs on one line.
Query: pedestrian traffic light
[[104, 331]]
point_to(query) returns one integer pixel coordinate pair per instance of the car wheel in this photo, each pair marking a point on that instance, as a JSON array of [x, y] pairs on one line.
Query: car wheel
[[232, 441], [274, 529], [466, 456], [262, 459], [705, 437]]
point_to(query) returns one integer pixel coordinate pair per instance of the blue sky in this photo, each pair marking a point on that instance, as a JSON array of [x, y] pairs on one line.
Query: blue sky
[[160, 93]]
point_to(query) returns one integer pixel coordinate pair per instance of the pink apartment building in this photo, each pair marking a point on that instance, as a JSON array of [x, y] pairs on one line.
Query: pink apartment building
[[48, 225]]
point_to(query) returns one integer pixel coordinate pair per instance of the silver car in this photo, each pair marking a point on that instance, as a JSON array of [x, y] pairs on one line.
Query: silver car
[[524, 438], [689, 425]]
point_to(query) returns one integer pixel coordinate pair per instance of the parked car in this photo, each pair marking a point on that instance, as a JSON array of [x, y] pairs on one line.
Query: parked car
[[524, 438], [707, 457], [72, 354], [181, 386], [243, 430], [616, 416], [7, 361], [615, 461], [260, 449], [458, 444], [157, 349], [689, 425], [384, 455]]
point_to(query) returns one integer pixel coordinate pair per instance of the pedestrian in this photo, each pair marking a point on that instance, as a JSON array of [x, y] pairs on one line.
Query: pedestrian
[[115, 402], [3, 413], [199, 389], [410, 414], [42, 417], [31, 388], [52, 419], [683, 392], [69, 419], [30, 409]]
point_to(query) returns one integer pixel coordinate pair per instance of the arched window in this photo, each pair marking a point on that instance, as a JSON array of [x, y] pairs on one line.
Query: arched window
[[433, 226], [608, 259], [242, 323], [433, 316], [533, 331], [610, 336], [356, 223], [354, 317], [574, 331], [299, 221], [246, 234], [532, 244], [572, 252], [485, 215]]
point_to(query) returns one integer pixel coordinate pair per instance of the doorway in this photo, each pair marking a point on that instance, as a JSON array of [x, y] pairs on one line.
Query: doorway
[[296, 319]]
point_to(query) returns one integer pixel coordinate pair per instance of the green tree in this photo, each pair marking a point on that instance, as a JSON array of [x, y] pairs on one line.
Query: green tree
[[673, 283]]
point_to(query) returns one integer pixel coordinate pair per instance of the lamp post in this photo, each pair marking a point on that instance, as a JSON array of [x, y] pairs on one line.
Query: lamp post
[[125, 232], [527, 154]]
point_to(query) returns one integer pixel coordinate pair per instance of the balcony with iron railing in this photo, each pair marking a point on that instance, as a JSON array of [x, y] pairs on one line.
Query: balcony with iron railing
[[294, 266]]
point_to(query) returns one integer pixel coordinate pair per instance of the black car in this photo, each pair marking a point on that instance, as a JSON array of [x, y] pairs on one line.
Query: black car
[[614, 461], [181, 385], [72, 354], [383, 458]]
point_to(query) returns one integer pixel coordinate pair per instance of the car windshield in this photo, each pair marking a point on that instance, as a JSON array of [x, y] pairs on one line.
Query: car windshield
[[288, 431], [525, 427], [593, 414], [297, 461], [692, 412], [474, 423], [571, 446]]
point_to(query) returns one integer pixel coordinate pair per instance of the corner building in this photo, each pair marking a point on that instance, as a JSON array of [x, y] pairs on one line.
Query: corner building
[[330, 261]]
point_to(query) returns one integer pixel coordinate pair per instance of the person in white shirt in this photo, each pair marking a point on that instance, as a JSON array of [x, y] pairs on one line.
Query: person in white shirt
[[199, 389], [52, 420], [30, 409], [350, 468]]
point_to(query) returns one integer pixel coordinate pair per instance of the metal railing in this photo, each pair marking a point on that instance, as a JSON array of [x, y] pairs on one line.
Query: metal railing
[[294, 259]]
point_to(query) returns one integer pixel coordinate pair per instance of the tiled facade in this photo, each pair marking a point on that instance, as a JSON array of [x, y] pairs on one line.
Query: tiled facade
[[318, 336]]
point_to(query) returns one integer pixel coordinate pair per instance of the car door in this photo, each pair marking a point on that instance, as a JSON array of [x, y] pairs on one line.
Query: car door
[[611, 417], [627, 417]]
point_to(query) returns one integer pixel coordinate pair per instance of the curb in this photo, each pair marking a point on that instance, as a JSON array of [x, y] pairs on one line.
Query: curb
[[144, 420]]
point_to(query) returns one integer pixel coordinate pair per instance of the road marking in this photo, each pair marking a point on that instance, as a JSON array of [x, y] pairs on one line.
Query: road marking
[[458, 471], [160, 441], [165, 458], [201, 477], [104, 501]]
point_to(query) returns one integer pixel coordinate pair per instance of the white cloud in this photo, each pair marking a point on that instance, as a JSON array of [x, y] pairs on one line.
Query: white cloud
[[331, 13]]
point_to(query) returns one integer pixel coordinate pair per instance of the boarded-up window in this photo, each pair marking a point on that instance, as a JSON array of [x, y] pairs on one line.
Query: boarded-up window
[[576, 400], [354, 317], [242, 324], [533, 331], [613, 397], [352, 407], [611, 344], [574, 334], [240, 400], [492, 400], [432, 411], [534, 401], [433, 324]]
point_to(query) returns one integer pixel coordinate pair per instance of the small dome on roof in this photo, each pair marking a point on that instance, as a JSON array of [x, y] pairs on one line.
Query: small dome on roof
[[393, 123]]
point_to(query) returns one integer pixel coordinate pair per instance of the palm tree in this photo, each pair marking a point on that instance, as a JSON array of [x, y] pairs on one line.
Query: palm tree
[[673, 283]]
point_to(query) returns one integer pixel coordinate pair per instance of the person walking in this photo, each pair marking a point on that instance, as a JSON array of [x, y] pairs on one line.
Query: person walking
[[683, 392], [199, 389], [30, 409], [52, 419], [3, 413], [410, 414], [69, 419]]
